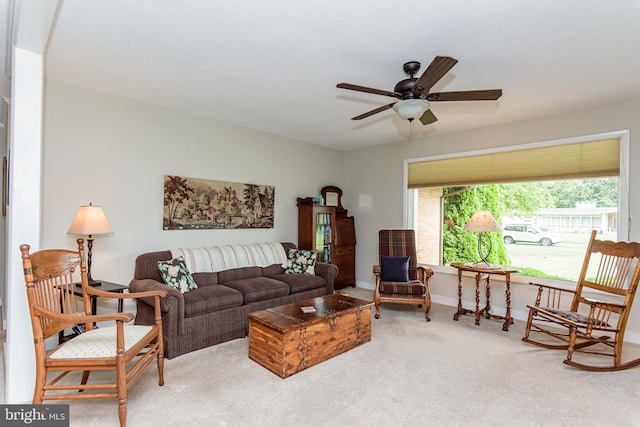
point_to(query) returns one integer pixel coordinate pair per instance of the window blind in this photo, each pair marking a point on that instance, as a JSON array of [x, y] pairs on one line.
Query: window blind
[[570, 161]]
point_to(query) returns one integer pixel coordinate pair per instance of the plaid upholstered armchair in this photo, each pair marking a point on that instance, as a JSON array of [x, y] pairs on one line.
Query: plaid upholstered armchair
[[399, 279]]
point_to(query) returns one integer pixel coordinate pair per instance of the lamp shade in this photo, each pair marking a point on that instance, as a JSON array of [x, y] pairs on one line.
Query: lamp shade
[[482, 221], [89, 221], [410, 109]]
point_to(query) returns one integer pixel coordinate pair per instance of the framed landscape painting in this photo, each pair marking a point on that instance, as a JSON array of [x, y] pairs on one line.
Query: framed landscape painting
[[196, 204]]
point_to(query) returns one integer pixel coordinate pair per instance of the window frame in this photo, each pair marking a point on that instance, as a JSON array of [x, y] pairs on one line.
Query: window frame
[[624, 220]]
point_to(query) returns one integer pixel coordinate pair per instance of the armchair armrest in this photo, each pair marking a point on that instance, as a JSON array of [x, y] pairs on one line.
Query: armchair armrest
[[424, 273], [552, 295], [59, 321], [601, 303], [82, 318], [603, 306]]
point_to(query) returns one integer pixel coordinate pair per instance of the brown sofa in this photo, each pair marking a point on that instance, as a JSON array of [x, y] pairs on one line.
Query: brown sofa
[[217, 310]]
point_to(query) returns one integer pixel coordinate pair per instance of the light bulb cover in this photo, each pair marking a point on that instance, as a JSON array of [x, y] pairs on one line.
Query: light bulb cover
[[410, 109]]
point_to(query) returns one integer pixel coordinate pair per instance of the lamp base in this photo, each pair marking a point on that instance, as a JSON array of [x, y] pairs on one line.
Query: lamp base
[[94, 283]]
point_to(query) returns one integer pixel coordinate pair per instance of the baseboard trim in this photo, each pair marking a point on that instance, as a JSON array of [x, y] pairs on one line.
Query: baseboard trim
[[631, 337]]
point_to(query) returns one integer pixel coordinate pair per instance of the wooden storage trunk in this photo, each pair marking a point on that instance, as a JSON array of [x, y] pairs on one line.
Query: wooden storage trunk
[[286, 340]]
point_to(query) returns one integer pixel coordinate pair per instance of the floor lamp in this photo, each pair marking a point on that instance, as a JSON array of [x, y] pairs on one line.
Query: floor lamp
[[483, 221], [90, 221]]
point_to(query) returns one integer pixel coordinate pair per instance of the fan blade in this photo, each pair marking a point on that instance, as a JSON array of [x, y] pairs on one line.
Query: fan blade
[[369, 90], [428, 117], [372, 112], [466, 95], [434, 72]]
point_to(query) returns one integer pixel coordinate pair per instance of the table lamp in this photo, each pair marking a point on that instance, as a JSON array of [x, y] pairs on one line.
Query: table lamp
[[90, 221], [482, 221]]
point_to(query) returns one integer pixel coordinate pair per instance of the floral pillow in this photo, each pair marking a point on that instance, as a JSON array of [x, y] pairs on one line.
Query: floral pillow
[[300, 261], [176, 274]]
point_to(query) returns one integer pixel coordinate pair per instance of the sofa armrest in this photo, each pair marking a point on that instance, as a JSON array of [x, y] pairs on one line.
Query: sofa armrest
[[171, 306], [328, 272]]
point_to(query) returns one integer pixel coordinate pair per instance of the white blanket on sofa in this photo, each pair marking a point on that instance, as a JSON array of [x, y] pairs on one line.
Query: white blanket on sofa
[[219, 258]]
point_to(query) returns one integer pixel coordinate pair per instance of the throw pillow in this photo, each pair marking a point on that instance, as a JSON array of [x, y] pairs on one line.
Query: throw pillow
[[176, 274], [394, 269], [300, 261]]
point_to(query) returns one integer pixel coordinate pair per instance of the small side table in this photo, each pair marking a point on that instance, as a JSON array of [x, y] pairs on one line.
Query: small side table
[[104, 286], [487, 271]]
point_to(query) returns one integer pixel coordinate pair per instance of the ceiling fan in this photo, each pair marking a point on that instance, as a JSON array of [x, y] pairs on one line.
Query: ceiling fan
[[413, 93]]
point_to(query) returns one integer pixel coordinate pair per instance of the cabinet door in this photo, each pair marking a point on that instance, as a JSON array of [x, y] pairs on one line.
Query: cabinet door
[[345, 232], [345, 259]]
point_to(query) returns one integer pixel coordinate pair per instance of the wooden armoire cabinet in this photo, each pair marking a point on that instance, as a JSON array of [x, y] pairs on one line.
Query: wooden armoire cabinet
[[331, 232]]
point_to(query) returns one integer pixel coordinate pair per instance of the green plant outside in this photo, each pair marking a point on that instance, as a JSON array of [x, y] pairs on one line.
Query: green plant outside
[[532, 272], [460, 203]]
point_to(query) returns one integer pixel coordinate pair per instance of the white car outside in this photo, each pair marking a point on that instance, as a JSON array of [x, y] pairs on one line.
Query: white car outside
[[526, 233]]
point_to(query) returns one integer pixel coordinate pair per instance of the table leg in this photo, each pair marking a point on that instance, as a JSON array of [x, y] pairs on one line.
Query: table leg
[[508, 320], [487, 307], [477, 298], [457, 313]]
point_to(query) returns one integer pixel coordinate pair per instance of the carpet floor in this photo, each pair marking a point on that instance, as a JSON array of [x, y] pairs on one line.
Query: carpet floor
[[441, 373]]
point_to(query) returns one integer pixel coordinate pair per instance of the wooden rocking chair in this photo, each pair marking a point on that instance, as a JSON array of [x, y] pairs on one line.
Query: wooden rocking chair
[[50, 276], [594, 324]]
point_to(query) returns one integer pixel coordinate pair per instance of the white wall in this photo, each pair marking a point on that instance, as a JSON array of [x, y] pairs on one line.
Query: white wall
[[31, 24], [23, 218], [382, 187], [115, 152]]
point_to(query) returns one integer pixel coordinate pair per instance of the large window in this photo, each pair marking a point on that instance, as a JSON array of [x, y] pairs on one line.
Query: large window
[[524, 187]]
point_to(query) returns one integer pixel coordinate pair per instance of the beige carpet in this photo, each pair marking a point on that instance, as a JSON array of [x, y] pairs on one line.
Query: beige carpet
[[412, 373]]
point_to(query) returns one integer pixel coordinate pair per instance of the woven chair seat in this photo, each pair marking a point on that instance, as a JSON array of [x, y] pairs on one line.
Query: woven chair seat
[[569, 315], [413, 287], [99, 343]]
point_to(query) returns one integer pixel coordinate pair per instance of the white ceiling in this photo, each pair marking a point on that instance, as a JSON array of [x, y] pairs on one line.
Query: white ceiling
[[274, 65]]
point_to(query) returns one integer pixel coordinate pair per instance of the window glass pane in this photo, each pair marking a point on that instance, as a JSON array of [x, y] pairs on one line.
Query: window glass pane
[[546, 225]]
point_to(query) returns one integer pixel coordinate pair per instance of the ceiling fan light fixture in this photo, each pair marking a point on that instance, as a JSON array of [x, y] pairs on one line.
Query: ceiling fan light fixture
[[410, 109]]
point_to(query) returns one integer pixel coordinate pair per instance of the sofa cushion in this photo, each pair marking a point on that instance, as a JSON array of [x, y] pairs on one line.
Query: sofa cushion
[[300, 261], [259, 288], [210, 298], [301, 282], [272, 270], [176, 274], [205, 279], [239, 274]]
